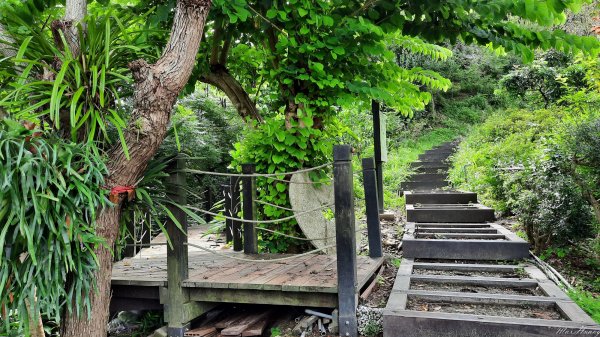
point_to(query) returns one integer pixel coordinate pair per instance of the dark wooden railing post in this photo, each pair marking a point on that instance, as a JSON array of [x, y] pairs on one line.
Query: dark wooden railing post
[[177, 254], [235, 209], [372, 205], [249, 209], [208, 202], [228, 222], [345, 240], [376, 111]]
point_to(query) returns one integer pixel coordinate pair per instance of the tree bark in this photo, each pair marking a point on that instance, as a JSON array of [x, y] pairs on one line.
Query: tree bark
[[75, 12], [156, 89], [6, 50], [220, 77]]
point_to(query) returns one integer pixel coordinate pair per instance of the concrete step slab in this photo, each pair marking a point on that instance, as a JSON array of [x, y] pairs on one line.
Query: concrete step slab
[[455, 230], [423, 185], [511, 248], [468, 213], [430, 163], [460, 236], [446, 197], [429, 177], [439, 170], [400, 320], [426, 225], [434, 157]]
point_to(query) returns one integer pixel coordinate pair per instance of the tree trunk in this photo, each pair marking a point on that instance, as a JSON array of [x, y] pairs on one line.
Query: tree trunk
[[220, 77], [75, 12], [5, 50], [156, 89]]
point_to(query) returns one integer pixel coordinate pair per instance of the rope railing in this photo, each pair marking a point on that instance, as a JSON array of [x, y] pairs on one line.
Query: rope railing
[[328, 181], [261, 221], [256, 175], [229, 256], [299, 238]]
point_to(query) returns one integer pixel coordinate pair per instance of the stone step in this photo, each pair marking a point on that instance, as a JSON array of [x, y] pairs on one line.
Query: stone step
[[428, 177], [432, 170], [432, 316], [445, 197], [511, 247], [425, 225], [439, 151], [430, 163], [460, 236], [422, 185], [445, 230], [434, 157], [469, 213]]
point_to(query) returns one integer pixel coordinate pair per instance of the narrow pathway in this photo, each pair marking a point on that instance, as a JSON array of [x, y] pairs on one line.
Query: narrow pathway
[[464, 275]]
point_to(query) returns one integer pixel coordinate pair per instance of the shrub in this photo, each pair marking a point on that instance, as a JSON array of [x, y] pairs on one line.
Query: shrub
[[274, 149], [549, 204]]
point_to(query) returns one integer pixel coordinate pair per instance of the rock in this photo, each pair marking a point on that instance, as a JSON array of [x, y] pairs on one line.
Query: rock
[[162, 332], [387, 217], [305, 196]]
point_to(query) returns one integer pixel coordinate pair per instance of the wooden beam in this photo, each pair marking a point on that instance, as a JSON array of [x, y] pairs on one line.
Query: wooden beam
[[376, 111], [243, 296], [372, 206], [249, 194], [345, 240]]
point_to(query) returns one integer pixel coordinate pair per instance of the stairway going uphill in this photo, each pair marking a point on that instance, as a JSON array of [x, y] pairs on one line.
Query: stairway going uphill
[[464, 275]]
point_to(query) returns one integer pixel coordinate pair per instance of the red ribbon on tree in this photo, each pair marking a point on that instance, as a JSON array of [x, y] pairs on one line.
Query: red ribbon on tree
[[117, 190]]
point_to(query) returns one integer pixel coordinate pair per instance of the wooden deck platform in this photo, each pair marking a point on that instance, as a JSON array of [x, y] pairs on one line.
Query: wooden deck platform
[[303, 281]]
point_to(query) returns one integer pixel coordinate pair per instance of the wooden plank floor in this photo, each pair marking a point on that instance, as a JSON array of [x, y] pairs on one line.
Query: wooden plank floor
[[313, 273]]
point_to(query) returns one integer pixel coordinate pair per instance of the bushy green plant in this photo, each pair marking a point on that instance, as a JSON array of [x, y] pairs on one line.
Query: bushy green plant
[[589, 302], [505, 142], [541, 164], [549, 77], [549, 204], [82, 97], [50, 191], [274, 149]]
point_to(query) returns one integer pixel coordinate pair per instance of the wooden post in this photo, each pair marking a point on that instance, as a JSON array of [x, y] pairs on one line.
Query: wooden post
[[177, 255], [228, 207], [371, 197], [345, 240], [208, 202], [249, 209], [235, 209], [130, 250], [376, 111]]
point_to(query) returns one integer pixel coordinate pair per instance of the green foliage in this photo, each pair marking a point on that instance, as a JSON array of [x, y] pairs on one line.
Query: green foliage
[[50, 192], [539, 164], [549, 204], [506, 141], [548, 77], [273, 149], [81, 98], [589, 302]]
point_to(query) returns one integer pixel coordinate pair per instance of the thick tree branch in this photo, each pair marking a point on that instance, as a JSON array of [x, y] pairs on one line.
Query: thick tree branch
[[222, 79], [216, 41], [225, 48]]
